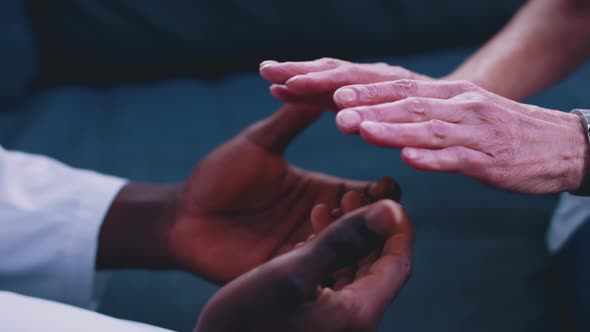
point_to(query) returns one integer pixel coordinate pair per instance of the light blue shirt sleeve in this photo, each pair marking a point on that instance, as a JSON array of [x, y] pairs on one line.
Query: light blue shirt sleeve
[[26, 314], [571, 213], [50, 218]]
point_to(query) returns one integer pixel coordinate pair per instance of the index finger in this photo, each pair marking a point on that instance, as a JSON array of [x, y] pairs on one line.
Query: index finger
[[281, 72], [386, 92]]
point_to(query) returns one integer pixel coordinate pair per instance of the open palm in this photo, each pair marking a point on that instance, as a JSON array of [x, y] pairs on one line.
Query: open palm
[[244, 204]]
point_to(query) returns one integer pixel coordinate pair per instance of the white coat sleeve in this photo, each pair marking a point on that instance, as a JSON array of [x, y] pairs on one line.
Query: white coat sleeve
[[26, 314], [50, 218]]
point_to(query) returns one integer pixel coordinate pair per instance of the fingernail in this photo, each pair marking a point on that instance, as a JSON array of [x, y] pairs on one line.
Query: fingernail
[[371, 127], [293, 79], [348, 119], [345, 95], [411, 153], [262, 68], [267, 63]]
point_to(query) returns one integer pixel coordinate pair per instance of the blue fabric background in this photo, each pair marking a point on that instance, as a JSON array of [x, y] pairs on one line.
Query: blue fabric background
[[480, 262]]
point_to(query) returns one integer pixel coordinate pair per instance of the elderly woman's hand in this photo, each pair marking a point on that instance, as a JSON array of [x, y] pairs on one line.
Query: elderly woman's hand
[[456, 126], [314, 82]]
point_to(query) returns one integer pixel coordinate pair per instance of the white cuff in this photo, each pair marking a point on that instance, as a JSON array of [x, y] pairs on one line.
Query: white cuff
[[81, 287], [26, 314], [51, 216]]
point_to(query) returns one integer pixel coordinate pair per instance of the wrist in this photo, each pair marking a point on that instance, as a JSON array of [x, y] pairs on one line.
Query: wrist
[[135, 231], [580, 152]]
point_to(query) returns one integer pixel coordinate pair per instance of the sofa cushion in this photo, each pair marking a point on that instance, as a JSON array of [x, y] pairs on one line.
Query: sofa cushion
[[18, 53], [101, 42]]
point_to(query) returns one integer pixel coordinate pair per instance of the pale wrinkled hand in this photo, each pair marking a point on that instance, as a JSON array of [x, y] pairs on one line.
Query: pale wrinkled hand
[[314, 82], [456, 126]]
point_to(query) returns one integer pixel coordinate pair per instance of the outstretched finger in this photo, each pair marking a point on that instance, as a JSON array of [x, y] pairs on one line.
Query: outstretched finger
[[280, 72], [386, 92], [410, 110], [434, 134]]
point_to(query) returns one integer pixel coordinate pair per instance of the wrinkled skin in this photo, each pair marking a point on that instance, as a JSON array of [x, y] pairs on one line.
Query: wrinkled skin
[[446, 126], [314, 82], [456, 126]]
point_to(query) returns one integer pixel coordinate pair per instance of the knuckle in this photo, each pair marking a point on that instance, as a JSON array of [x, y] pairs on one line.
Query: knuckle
[[418, 107], [352, 69], [465, 161], [331, 61], [476, 105], [404, 88], [475, 102], [370, 91], [371, 113], [458, 154], [459, 88], [438, 132], [466, 86]]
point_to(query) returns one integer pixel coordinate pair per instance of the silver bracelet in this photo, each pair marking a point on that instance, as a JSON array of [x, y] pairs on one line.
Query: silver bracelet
[[585, 115], [584, 189]]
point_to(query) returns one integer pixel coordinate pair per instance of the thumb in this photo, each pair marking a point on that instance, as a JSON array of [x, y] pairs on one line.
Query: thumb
[[277, 131], [344, 243], [280, 286], [292, 279]]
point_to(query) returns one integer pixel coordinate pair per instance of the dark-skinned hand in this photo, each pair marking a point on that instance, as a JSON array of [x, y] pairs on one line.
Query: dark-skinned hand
[[289, 293], [242, 205]]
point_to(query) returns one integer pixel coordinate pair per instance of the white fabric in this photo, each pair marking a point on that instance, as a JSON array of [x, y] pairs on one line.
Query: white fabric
[[25, 314], [572, 212], [50, 218]]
